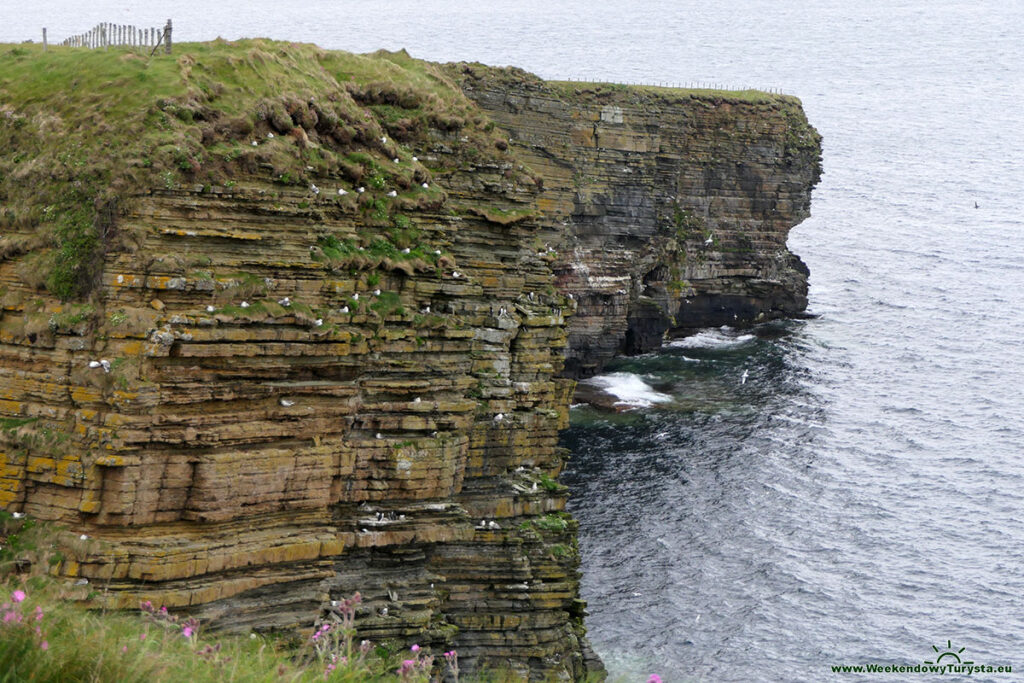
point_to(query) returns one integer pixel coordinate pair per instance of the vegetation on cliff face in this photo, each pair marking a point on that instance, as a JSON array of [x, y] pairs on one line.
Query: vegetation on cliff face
[[84, 130]]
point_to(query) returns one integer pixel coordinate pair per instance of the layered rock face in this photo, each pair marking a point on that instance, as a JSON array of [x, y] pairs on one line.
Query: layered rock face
[[281, 394], [669, 210]]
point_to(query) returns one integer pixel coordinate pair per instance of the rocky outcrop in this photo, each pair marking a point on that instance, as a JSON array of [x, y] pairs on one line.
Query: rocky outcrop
[[667, 210], [310, 377]]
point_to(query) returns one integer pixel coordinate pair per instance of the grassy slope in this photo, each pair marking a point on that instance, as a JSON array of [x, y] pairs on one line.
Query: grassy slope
[[82, 130]]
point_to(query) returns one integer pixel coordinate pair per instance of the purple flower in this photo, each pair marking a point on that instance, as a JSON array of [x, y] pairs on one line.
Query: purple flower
[[187, 631], [44, 645], [18, 596], [655, 678], [415, 648]]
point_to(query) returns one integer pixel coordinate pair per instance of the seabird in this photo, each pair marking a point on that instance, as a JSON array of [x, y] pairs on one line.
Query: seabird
[[83, 537], [415, 159], [384, 141], [379, 435], [976, 205], [425, 309], [360, 190], [105, 364], [493, 525], [318, 322], [406, 250], [482, 524], [94, 364], [286, 302], [395, 160], [417, 400], [455, 273], [244, 304], [255, 144], [314, 189], [355, 296], [743, 379], [499, 417], [342, 192], [392, 193], [534, 487], [344, 309], [270, 135], [425, 186], [209, 309], [17, 515], [286, 403], [437, 252], [708, 241], [376, 292], [383, 611]]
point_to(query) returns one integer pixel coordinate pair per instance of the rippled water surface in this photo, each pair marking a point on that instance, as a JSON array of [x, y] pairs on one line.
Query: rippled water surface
[[859, 497]]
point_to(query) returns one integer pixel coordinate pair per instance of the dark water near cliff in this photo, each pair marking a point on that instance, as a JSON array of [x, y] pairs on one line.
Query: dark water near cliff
[[859, 498]]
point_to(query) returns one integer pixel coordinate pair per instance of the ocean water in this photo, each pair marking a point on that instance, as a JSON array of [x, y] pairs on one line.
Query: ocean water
[[858, 497]]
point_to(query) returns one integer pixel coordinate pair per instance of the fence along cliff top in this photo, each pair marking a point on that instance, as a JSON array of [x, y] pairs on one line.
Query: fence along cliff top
[[105, 34]]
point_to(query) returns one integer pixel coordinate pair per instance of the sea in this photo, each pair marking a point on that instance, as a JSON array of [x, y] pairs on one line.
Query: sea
[[786, 500]]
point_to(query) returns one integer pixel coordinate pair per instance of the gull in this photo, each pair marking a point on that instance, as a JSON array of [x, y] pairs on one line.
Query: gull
[[437, 252], [455, 273], [255, 144], [82, 582], [709, 240], [401, 517], [94, 364], [406, 250], [376, 292], [355, 296], [18, 515], [105, 364], [395, 160], [286, 302], [743, 379], [270, 135], [379, 435], [502, 311], [499, 417], [344, 309], [314, 189], [383, 611], [384, 141], [425, 309], [360, 190], [425, 186], [482, 524], [531, 297], [342, 192], [244, 304], [83, 537], [392, 194], [417, 400], [415, 159], [318, 322], [286, 403], [534, 487], [209, 309], [493, 525]]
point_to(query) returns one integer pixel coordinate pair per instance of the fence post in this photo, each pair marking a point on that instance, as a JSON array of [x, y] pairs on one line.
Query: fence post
[[103, 36], [44, 39], [167, 37]]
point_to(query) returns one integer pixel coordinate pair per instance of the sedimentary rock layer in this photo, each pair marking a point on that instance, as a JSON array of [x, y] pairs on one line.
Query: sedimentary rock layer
[[668, 210]]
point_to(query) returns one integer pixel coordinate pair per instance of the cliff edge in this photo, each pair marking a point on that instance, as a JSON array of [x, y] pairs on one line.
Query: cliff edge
[[279, 324]]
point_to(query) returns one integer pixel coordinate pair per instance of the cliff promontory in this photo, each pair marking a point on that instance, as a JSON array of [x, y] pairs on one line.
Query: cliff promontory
[[279, 324]]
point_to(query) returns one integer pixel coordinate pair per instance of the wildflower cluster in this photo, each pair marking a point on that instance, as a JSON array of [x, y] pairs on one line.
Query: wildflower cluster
[[333, 639], [17, 622], [418, 668], [162, 618]]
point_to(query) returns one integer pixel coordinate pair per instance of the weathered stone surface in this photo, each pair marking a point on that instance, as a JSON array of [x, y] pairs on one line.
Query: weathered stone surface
[[275, 431], [664, 211]]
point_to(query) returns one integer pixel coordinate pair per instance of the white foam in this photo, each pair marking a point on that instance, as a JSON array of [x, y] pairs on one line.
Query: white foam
[[713, 338], [629, 389]]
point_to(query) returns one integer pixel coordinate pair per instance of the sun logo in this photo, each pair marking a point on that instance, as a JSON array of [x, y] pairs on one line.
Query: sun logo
[[949, 652]]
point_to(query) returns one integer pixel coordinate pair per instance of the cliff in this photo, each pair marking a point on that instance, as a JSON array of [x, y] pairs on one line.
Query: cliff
[[278, 324], [667, 210]]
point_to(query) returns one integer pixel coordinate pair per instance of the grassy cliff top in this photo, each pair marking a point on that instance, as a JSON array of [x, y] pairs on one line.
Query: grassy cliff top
[[83, 130]]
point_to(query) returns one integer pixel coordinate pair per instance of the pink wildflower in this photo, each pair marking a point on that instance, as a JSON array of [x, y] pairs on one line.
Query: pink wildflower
[[655, 678], [10, 616], [124, 649], [39, 613], [142, 636], [187, 631], [415, 648], [44, 645], [18, 596]]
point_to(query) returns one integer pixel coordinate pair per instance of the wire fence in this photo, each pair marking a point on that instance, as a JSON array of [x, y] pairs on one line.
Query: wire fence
[[688, 85], [105, 35]]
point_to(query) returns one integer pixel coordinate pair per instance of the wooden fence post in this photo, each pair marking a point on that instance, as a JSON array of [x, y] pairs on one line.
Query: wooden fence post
[[167, 37], [44, 39]]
